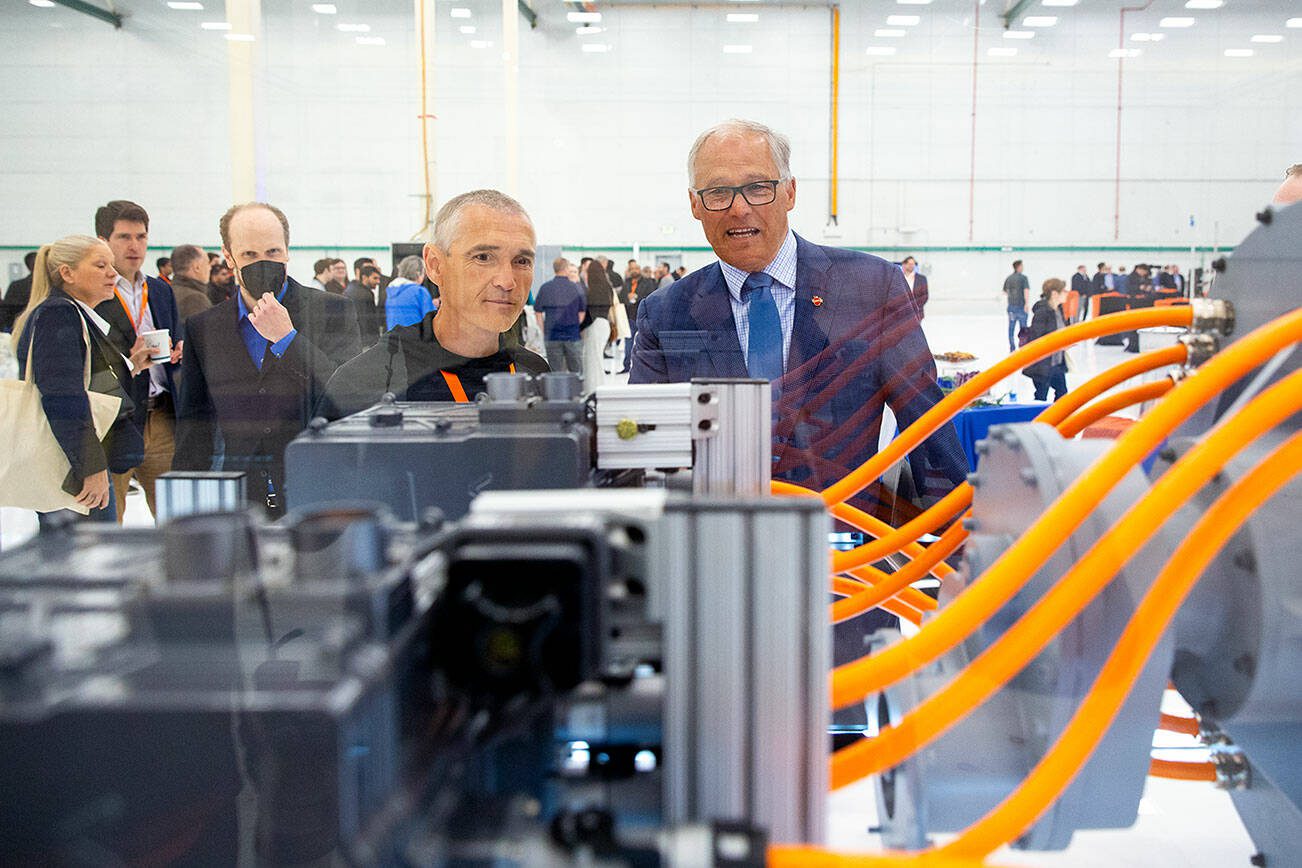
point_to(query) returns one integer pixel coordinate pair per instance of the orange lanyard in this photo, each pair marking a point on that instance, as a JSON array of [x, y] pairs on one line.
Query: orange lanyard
[[144, 303], [454, 386]]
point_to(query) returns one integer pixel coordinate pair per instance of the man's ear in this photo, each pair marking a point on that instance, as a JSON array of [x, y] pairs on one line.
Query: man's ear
[[434, 262], [695, 201], [792, 203], [230, 260]]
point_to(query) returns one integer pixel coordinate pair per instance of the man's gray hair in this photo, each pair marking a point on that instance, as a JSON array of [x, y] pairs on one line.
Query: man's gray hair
[[185, 255], [447, 223], [779, 146], [411, 268], [1295, 169]]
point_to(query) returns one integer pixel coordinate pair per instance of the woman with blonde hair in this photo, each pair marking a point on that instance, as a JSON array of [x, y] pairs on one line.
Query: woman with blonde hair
[[54, 333]]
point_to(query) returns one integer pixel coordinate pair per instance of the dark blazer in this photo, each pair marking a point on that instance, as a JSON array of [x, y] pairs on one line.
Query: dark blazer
[[15, 302], [257, 412], [58, 369], [162, 306], [1100, 281], [856, 347], [921, 293], [370, 316], [1081, 283]]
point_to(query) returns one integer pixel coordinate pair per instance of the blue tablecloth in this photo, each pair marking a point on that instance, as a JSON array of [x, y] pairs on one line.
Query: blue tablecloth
[[973, 423]]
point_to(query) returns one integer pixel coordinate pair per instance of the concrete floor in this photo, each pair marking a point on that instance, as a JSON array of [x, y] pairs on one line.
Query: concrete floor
[[1190, 825]]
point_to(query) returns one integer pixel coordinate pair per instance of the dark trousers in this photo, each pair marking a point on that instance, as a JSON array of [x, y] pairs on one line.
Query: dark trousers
[[1057, 378]]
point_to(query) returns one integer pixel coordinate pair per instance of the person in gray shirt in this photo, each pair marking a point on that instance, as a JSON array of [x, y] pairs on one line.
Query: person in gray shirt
[[1015, 287]]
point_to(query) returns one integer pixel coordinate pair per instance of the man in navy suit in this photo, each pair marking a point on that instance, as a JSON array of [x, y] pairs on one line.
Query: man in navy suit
[[141, 304], [835, 331]]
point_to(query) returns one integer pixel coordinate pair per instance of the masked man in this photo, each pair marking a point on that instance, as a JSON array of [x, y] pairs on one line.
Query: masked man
[[257, 363]]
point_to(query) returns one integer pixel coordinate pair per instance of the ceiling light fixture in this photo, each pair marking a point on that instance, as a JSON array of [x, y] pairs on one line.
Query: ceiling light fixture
[[1002, 52], [182, 6], [460, 12], [480, 43], [1176, 22], [742, 18], [1293, 22], [880, 50], [583, 17], [468, 29], [1267, 37], [885, 33], [42, 4], [370, 40], [1019, 34], [1059, 2], [325, 9], [1204, 4], [902, 20], [589, 29], [914, 2], [216, 25], [1039, 20], [1239, 52]]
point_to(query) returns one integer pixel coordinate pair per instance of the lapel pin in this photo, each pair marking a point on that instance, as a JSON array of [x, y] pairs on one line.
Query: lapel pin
[[818, 301]]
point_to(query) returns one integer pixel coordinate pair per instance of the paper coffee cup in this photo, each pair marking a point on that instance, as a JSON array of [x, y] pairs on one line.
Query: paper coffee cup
[[159, 342]]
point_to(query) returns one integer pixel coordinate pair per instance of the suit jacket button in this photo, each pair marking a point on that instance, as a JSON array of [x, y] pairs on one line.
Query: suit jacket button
[[266, 430], [262, 391]]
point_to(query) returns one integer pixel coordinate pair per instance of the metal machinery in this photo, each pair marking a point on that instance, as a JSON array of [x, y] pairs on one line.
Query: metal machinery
[[555, 629]]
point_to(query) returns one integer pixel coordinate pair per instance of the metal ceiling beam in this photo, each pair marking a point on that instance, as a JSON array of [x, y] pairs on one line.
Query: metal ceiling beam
[[1018, 8], [93, 11], [529, 15]]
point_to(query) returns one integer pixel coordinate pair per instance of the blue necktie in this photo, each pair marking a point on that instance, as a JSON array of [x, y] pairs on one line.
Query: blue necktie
[[764, 347]]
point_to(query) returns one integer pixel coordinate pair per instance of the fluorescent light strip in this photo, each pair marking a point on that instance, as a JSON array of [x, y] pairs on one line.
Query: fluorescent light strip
[[1058, 2], [370, 40], [583, 17], [1293, 22], [884, 33], [1039, 21], [42, 4], [1177, 21], [1019, 34], [742, 18], [914, 2], [216, 25], [880, 50], [1204, 4], [468, 29], [1239, 52], [460, 12], [1002, 52], [902, 20], [1147, 37], [738, 49], [1269, 38], [183, 6], [588, 29], [325, 9], [480, 43]]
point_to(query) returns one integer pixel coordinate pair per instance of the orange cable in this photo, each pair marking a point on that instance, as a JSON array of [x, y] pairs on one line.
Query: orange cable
[[949, 406], [1105, 407], [1078, 740], [1088, 576], [1113, 376], [900, 609], [853, 681], [899, 581]]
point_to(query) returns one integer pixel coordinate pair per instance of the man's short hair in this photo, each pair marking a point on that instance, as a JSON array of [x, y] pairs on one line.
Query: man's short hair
[[107, 216], [665, 266], [185, 255], [368, 270], [779, 145], [908, 259], [360, 261], [1102, 265], [224, 224], [30, 260], [162, 260], [411, 268], [1295, 169], [1016, 263], [560, 265], [322, 265], [447, 223], [632, 262]]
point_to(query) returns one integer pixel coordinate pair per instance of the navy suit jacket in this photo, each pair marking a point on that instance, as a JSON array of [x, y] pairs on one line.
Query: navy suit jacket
[[122, 334], [856, 346]]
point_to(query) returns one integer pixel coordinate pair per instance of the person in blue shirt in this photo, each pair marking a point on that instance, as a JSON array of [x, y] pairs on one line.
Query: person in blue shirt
[[561, 307], [408, 299]]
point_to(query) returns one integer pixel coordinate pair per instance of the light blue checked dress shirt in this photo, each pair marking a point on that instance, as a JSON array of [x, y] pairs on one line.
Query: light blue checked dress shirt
[[783, 271]]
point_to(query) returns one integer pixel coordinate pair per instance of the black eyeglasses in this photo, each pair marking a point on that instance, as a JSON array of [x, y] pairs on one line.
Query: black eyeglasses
[[755, 193]]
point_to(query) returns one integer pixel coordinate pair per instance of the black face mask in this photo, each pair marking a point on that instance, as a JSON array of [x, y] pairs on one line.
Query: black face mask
[[262, 277]]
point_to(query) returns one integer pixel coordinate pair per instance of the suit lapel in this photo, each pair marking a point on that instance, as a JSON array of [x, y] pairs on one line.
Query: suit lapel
[[712, 311], [813, 322]]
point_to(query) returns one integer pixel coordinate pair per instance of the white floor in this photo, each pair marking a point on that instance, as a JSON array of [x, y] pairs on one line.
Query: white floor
[[1190, 825]]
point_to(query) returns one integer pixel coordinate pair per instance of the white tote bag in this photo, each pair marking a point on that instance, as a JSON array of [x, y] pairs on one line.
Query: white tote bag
[[32, 463]]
